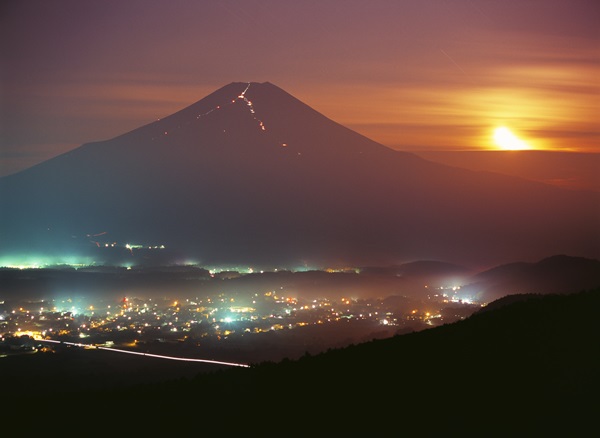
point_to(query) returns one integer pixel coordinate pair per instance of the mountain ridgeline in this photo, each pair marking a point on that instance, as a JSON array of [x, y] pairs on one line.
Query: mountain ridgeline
[[251, 175]]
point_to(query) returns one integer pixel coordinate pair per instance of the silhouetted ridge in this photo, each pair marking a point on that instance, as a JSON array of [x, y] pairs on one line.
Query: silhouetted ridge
[[507, 300], [534, 357]]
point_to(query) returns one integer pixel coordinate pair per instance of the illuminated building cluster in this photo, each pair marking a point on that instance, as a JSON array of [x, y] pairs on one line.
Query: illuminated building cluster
[[133, 321]]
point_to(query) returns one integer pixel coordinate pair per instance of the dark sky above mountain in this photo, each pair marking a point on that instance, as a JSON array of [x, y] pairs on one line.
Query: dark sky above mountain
[[411, 75]]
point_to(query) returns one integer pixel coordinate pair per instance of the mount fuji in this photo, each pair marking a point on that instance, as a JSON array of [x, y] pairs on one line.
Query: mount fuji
[[251, 175]]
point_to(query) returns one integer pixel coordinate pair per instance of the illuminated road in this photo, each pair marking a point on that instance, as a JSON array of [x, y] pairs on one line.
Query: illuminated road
[[159, 356]]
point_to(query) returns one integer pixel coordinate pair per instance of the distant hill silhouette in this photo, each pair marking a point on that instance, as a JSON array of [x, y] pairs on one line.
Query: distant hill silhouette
[[249, 175], [526, 367], [421, 268], [556, 274]]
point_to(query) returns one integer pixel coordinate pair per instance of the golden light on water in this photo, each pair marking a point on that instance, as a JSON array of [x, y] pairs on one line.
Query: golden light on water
[[506, 140]]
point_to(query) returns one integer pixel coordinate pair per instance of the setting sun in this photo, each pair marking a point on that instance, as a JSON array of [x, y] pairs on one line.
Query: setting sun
[[506, 140]]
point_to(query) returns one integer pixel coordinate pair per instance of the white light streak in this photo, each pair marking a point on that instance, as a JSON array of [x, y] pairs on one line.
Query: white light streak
[[159, 356]]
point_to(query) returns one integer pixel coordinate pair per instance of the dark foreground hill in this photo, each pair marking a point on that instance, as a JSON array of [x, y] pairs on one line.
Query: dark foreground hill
[[523, 368]]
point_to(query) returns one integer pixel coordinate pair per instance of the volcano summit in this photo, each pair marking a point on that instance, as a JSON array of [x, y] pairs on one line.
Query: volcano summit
[[250, 175]]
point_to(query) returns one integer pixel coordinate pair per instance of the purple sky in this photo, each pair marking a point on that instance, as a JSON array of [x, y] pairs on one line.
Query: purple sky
[[413, 75]]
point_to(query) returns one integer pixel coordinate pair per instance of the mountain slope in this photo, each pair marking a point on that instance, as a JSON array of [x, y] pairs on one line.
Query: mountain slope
[[251, 175]]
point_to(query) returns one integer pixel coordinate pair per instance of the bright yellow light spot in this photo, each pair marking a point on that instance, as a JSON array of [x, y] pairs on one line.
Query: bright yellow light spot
[[506, 140]]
